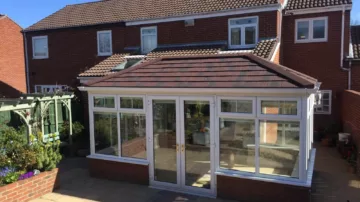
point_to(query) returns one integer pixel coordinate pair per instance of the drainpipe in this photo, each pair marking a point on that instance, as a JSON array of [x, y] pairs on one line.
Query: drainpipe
[[342, 48], [26, 65]]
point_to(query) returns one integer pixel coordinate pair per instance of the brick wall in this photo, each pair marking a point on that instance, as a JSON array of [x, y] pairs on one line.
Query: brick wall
[[351, 114], [31, 188], [73, 50], [12, 63], [319, 60], [355, 76]]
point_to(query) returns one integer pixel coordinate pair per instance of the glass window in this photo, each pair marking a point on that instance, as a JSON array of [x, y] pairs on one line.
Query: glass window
[[279, 148], [148, 39], [40, 47], [279, 107], [303, 30], [131, 102], [237, 106], [104, 102], [106, 134], [104, 43], [325, 103], [243, 32], [237, 144], [133, 135], [311, 30], [319, 29]]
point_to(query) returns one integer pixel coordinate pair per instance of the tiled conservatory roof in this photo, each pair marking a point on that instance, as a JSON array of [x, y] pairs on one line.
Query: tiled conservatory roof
[[305, 4], [210, 71], [112, 11], [264, 49]]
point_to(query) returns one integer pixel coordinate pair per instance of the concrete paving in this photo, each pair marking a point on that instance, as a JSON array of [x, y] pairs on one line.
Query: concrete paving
[[331, 183]]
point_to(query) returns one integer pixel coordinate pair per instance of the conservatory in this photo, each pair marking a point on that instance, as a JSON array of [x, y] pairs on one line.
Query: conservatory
[[232, 126]]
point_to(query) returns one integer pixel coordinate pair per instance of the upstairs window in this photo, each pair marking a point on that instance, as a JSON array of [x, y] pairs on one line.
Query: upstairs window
[[148, 39], [311, 30], [104, 43], [243, 32], [40, 47]]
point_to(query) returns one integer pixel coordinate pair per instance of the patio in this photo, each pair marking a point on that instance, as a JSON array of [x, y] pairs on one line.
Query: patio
[[331, 183]]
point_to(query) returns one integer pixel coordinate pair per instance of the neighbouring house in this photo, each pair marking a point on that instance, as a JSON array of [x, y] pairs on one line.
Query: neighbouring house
[[216, 68], [12, 63]]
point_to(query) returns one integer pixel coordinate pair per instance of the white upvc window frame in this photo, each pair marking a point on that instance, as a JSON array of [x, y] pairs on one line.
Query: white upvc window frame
[[116, 110], [243, 34], [317, 109], [141, 37], [47, 47], [98, 43], [258, 117], [311, 30]]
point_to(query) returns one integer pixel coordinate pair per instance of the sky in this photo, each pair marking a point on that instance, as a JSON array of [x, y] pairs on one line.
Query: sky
[[28, 12]]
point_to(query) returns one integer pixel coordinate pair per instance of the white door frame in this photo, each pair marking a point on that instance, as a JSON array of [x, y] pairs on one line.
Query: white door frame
[[180, 140]]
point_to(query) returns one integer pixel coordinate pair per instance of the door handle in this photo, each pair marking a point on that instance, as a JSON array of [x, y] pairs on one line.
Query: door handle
[[182, 148]]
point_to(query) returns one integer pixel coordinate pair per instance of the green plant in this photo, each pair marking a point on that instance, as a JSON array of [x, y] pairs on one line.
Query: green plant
[[11, 177], [48, 153], [77, 129]]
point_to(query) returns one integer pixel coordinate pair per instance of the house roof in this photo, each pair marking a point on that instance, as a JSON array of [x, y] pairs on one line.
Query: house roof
[[185, 50], [355, 41], [112, 11], [207, 71], [104, 67], [265, 48], [305, 4]]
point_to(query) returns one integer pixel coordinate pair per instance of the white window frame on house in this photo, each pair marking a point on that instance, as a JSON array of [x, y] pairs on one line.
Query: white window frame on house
[[311, 38], [320, 108], [243, 35], [258, 117], [51, 88], [98, 43], [47, 47], [115, 110], [142, 35]]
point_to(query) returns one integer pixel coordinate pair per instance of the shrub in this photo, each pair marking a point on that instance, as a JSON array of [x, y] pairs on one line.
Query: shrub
[[48, 153]]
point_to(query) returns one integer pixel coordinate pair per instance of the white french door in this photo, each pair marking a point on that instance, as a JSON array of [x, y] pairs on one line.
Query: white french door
[[181, 143]]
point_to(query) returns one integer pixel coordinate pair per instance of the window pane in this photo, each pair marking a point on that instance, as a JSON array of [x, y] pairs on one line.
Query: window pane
[[319, 29], [40, 47], [131, 103], [104, 43], [149, 43], [237, 144], [104, 102], [243, 21], [133, 135], [279, 107], [148, 31], [250, 35], [236, 106], [279, 148], [303, 30], [106, 134], [236, 36]]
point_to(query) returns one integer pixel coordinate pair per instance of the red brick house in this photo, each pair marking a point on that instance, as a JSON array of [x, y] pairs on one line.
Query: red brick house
[[12, 63], [128, 53]]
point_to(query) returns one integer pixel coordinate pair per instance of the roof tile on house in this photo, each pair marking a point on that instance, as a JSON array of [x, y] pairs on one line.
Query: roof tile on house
[[210, 71], [265, 48], [104, 67], [185, 51], [305, 4], [355, 41], [112, 11]]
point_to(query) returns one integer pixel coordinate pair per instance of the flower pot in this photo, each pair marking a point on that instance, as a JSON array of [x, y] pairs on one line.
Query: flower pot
[[326, 142]]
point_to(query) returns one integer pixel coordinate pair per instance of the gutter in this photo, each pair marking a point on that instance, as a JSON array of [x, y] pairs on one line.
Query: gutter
[[26, 64]]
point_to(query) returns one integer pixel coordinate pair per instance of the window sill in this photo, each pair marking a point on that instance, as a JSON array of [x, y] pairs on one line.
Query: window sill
[[104, 54], [117, 159], [249, 176], [311, 41], [39, 58]]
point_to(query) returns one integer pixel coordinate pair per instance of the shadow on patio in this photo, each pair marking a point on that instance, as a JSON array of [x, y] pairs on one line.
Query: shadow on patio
[[331, 181]]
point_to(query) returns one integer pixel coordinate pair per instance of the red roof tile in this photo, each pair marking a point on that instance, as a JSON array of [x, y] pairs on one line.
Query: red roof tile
[[304, 4], [212, 71], [112, 11]]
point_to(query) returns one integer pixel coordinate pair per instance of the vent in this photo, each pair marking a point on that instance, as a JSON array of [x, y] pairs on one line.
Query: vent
[[189, 23]]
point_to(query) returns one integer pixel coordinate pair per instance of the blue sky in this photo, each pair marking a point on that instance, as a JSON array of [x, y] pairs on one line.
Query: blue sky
[[28, 12]]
